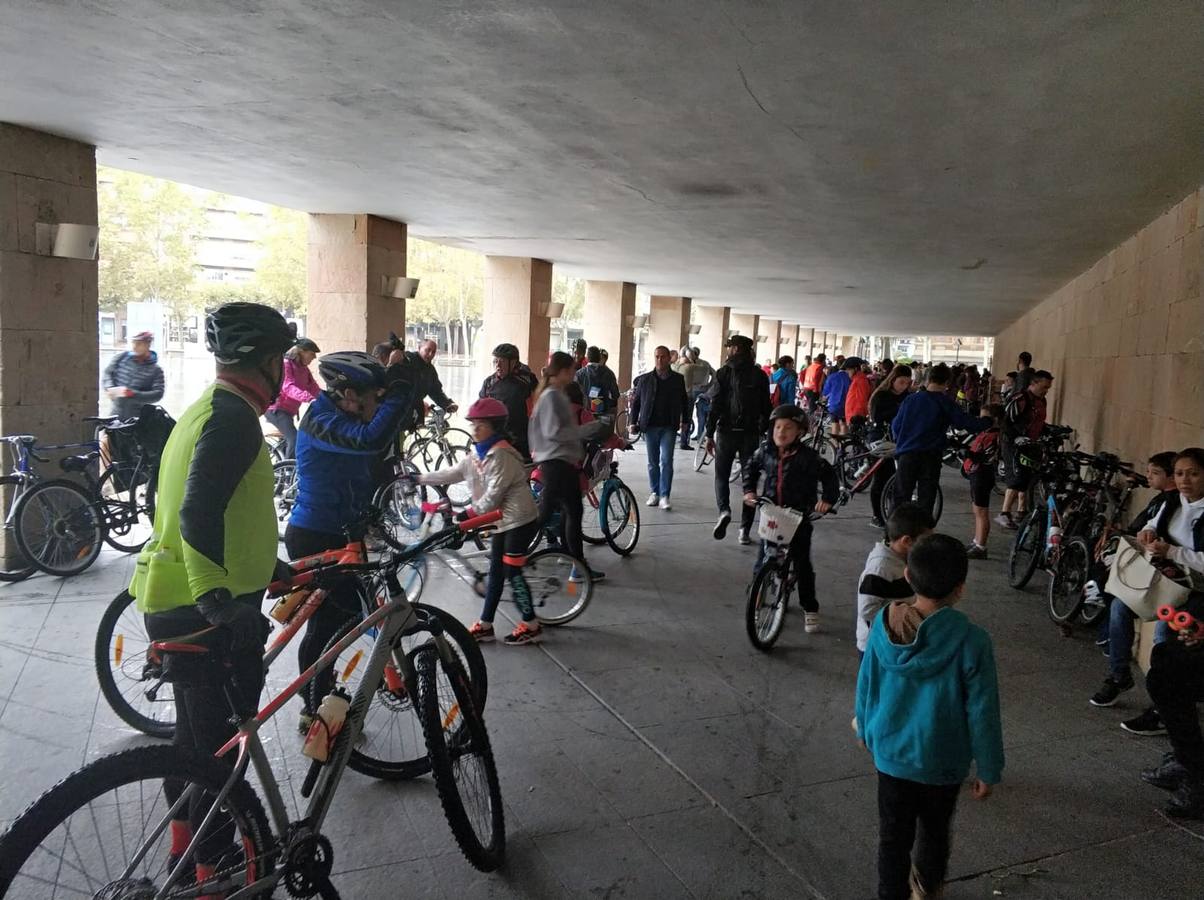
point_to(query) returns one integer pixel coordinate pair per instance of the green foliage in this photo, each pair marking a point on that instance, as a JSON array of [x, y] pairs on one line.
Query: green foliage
[[280, 276], [452, 287], [211, 295], [148, 231], [570, 292]]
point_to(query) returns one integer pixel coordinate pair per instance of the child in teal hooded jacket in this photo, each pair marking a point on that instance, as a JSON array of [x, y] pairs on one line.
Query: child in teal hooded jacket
[[927, 706]]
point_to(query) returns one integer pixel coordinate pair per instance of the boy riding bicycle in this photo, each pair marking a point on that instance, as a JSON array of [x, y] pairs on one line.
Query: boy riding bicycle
[[792, 472]]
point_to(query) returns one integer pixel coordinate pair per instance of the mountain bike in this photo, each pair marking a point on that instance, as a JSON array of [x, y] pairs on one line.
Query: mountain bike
[[775, 581], [817, 437], [103, 831], [1064, 513]]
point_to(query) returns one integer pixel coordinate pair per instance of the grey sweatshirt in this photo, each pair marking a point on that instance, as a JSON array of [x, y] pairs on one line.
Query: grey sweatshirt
[[552, 433]]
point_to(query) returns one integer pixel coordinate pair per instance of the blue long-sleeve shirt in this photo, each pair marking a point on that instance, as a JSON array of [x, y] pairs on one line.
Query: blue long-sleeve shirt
[[923, 419], [836, 388]]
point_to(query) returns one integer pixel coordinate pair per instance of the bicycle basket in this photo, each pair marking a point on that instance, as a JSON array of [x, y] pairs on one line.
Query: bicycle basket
[[777, 524]]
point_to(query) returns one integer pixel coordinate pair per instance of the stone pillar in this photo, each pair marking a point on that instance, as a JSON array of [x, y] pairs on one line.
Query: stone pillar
[[668, 322], [771, 330], [518, 290], [806, 343], [745, 324], [715, 322], [49, 357], [609, 308], [788, 345], [351, 258]]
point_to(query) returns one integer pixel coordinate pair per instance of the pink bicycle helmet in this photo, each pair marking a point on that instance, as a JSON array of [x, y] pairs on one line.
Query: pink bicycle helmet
[[487, 408]]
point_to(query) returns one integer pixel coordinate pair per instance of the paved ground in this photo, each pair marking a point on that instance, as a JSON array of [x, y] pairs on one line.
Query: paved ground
[[648, 751]]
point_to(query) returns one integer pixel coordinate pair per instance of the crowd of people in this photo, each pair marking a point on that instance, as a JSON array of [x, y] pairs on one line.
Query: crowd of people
[[927, 705]]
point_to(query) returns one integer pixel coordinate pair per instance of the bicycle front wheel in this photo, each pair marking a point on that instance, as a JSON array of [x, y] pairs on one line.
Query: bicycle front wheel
[[18, 566], [131, 681], [128, 499], [1069, 576], [890, 501], [78, 838], [561, 586], [620, 518], [59, 527], [765, 612], [1026, 549], [461, 759]]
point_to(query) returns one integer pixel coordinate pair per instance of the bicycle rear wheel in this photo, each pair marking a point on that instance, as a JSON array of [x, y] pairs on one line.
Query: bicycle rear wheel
[[889, 500], [79, 836], [1026, 549], [1069, 576], [593, 521], [59, 527], [620, 518], [127, 674], [461, 759], [18, 566], [129, 507], [765, 611], [561, 586], [284, 492]]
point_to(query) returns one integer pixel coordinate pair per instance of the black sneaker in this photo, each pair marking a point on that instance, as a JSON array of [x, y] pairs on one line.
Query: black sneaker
[[725, 519], [876, 522], [744, 538], [1111, 690], [974, 551], [1168, 776], [1188, 800], [1148, 724]]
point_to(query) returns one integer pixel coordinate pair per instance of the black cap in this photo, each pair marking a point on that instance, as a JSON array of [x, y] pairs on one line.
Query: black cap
[[739, 340]]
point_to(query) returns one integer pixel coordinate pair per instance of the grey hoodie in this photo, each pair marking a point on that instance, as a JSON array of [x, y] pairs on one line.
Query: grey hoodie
[[552, 433]]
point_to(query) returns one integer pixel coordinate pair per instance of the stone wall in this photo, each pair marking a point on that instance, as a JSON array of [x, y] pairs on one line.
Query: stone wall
[[1125, 341]]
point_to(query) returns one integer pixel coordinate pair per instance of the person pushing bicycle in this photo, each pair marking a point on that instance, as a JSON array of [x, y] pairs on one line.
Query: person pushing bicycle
[[792, 473], [201, 576]]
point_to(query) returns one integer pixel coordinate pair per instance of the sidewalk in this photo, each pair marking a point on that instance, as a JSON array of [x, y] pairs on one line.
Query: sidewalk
[[647, 751]]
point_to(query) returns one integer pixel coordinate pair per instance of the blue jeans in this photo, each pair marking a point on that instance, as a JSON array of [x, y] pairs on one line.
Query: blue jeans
[[661, 443], [1121, 629]]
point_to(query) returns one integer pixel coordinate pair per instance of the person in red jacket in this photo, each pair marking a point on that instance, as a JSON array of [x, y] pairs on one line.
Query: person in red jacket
[[299, 386], [857, 400]]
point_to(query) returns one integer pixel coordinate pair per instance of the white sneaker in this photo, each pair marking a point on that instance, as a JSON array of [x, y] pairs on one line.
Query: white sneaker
[[652, 499], [665, 504], [811, 622]]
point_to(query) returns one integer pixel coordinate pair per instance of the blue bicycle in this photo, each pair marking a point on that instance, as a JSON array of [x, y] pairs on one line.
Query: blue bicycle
[[617, 520]]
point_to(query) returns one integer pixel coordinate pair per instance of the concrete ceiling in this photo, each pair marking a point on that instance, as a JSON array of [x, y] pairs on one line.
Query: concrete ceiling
[[892, 167]]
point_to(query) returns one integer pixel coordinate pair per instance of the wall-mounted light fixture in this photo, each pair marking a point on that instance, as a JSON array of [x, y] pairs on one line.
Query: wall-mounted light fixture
[[639, 321], [68, 241], [398, 288], [695, 328], [552, 309], [762, 338]]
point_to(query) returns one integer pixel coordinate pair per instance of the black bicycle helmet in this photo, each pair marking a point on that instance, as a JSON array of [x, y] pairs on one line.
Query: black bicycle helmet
[[350, 368], [792, 412], [246, 332], [307, 344], [505, 351]]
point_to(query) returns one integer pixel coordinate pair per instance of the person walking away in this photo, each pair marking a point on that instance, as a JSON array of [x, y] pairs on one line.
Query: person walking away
[[1024, 372], [341, 436], [660, 409], [556, 445], [736, 422], [598, 385], [920, 427], [857, 400], [971, 388], [298, 387], [882, 582], [979, 467], [813, 381], [783, 383], [212, 551], [927, 706], [1024, 421], [792, 473], [836, 389], [512, 383], [685, 368], [497, 478], [427, 381], [1176, 677], [133, 378], [884, 405]]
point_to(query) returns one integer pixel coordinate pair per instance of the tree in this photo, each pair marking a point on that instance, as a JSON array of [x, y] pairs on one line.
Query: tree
[[280, 276], [452, 289], [570, 292], [148, 230]]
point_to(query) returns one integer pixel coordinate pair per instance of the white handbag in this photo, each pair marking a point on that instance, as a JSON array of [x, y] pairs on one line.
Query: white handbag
[[1135, 581], [778, 524]]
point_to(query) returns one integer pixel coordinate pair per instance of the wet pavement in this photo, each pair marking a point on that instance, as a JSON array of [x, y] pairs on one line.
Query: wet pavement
[[646, 750]]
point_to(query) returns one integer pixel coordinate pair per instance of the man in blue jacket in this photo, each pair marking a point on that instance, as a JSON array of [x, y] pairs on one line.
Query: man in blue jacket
[[919, 428], [659, 408], [927, 706]]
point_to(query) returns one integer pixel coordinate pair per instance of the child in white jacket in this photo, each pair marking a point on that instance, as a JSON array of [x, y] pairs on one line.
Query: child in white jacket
[[497, 478]]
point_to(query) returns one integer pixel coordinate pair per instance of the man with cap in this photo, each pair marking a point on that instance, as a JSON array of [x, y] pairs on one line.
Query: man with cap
[[513, 384], [738, 419], [134, 378]]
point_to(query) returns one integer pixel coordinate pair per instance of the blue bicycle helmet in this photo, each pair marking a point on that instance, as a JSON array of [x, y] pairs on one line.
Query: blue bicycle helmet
[[350, 368]]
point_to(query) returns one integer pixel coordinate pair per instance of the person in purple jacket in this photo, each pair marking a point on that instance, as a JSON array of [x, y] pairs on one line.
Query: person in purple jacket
[[299, 387]]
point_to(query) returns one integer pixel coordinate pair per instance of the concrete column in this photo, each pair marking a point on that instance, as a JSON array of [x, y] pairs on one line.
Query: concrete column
[[715, 322], [609, 308], [48, 304], [518, 290], [789, 342], [771, 330], [351, 257], [806, 343], [848, 345], [745, 324], [668, 322]]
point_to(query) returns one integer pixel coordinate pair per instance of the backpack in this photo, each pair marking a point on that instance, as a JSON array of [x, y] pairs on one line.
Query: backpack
[[1015, 413], [983, 451], [775, 394]]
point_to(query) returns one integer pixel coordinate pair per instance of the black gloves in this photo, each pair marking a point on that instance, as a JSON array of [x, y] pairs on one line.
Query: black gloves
[[248, 626]]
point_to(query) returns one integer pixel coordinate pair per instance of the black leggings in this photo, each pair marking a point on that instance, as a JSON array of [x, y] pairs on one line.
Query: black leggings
[[512, 543], [878, 482], [343, 601], [562, 492]]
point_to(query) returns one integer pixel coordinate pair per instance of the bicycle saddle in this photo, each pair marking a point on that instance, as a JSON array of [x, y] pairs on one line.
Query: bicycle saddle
[[78, 463]]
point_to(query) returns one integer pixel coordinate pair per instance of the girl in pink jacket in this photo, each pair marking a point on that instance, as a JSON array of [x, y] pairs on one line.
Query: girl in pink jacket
[[299, 386]]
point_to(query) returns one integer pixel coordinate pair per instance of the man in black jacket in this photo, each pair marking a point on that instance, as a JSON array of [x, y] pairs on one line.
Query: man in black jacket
[[428, 382], [513, 384], [737, 421], [659, 407]]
